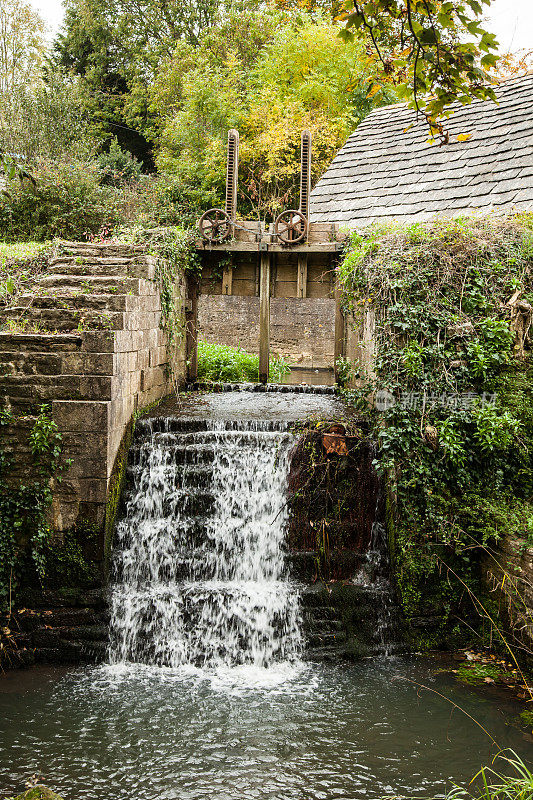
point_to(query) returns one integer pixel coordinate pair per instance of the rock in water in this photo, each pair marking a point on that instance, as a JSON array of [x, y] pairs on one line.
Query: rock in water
[[38, 793]]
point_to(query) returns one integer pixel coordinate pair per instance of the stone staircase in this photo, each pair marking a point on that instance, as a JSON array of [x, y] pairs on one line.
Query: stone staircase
[[87, 287], [86, 339]]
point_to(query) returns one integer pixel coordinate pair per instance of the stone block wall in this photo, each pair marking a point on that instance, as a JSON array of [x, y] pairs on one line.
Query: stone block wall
[[302, 329], [100, 355], [508, 579], [229, 320]]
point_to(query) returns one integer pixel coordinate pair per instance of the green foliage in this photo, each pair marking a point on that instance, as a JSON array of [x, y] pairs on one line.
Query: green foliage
[[456, 435], [303, 76], [438, 52], [47, 122], [25, 502], [67, 202], [20, 264], [219, 363], [476, 674], [36, 793], [118, 166], [489, 784], [22, 35], [65, 564], [526, 718]]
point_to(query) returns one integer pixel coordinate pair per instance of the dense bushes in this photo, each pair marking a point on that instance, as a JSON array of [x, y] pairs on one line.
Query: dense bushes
[[25, 500], [80, 200], [452, 386], [67, 201]]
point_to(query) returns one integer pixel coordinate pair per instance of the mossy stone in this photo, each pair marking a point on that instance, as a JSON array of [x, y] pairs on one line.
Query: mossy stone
[[38, 793]]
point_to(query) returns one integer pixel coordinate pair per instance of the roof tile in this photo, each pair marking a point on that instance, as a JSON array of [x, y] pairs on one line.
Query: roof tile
[[386, 171]]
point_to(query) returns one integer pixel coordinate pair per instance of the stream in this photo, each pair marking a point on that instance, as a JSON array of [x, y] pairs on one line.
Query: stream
[[207, 692]]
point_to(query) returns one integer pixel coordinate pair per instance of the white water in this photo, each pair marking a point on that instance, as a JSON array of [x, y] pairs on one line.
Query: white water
[[200, 571]]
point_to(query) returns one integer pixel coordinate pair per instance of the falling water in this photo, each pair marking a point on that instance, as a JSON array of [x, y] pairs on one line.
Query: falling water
[[200, 574]]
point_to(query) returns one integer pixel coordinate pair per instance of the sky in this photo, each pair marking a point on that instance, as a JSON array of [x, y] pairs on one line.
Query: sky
[[510, 20]]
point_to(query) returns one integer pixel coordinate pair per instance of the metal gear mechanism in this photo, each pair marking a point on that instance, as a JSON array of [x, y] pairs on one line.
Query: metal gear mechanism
[[215, 225], [291, 227]]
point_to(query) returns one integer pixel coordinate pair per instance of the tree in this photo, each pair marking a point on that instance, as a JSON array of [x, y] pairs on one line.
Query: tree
[[117, 49], [437, 51], [46, 121], [21, 44], [302, 76]]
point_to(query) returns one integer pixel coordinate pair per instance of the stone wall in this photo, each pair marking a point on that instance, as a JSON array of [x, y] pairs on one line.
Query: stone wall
[[229, 320], [508, 579], [101, 356], [302, 329]]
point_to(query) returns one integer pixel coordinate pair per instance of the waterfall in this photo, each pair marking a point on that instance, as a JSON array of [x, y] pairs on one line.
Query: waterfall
[[199, 573]]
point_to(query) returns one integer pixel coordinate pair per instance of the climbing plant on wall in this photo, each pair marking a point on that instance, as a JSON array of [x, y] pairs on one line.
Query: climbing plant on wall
[[451, 391], [25, 500]]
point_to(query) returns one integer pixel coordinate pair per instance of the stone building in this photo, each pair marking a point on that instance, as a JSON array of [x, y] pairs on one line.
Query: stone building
[[389, 170]]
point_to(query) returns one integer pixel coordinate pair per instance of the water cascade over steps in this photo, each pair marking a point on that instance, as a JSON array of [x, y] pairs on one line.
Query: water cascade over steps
[[201, 576], [201, 571]]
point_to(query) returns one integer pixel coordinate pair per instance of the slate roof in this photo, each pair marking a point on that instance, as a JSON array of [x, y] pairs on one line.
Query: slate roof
[[384, 172]]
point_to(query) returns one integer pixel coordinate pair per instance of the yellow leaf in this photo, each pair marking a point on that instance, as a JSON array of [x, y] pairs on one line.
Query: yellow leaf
[[464, 137], [373, 91]]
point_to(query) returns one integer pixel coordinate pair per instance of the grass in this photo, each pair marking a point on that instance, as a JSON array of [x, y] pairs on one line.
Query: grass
[[220, 363], [475, 674], [489, 784], [20, 251], [20, 263]]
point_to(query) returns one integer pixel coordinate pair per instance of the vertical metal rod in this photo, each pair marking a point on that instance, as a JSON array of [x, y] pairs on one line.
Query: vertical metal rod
[[339, 330], [305, 174], [232, 172], [264, 318]]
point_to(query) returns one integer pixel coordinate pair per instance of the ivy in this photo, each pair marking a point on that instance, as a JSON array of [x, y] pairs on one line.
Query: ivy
[[452, 412], [25, 529], [176, 256]]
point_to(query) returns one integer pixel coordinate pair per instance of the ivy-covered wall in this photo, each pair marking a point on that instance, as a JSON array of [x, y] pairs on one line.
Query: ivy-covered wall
[[442, 314]]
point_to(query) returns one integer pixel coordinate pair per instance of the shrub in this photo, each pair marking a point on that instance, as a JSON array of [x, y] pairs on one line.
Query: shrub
[[217, 362], [160, 200], [118, 166], [455, 436], [67, 202]]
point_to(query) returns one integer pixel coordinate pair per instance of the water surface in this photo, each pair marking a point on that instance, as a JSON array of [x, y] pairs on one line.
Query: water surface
[[299, 733]]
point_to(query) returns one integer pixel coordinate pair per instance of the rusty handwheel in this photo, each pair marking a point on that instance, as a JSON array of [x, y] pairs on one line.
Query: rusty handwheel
[[215, 225], [291, 227]]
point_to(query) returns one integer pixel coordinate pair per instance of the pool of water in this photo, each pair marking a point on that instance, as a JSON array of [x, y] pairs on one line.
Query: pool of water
[[300, 732]]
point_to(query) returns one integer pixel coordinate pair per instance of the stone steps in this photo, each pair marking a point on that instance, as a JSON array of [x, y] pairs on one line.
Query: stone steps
[[77, 302], [96, 250], [58, 633], [87, 287], [89, 284], [63, 320], [90, 262]]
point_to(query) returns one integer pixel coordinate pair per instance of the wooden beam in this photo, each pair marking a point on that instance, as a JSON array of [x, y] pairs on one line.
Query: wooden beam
[[255, 247], [191, 329], [301, 280], [227, 280], [264, 318], [339, 330]]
